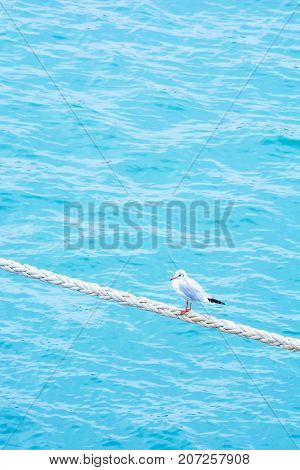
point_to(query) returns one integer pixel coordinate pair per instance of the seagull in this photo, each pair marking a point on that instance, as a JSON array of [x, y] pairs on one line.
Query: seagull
[[190, 290]]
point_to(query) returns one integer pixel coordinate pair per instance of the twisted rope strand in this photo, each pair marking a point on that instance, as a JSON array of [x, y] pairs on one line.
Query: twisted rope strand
[[125, 298]]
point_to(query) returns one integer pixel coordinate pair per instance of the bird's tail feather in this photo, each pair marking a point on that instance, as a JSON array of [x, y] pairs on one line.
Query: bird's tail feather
[[215, 301]]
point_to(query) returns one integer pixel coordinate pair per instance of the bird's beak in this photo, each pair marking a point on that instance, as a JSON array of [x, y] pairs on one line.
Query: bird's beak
[[174, 277]]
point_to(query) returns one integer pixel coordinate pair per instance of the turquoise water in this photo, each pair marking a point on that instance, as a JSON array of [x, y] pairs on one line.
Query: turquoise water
[[112, 103]]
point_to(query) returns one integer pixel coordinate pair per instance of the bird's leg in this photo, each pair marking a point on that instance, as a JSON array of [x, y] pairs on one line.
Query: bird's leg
[[187, 309]]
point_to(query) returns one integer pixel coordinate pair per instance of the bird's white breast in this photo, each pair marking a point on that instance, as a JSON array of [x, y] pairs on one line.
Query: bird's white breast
[[190, 289]]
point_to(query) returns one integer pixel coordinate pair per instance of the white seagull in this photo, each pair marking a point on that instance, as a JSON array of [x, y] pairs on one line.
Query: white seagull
[[190, 290]]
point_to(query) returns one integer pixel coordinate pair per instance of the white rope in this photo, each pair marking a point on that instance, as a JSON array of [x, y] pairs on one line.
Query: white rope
[[125, 298]]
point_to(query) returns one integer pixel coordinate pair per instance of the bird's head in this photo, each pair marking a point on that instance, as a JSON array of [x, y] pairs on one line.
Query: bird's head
[[180, 273]]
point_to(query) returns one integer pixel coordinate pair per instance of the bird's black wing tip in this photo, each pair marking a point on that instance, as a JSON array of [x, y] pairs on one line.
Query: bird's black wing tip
[[215, 301]]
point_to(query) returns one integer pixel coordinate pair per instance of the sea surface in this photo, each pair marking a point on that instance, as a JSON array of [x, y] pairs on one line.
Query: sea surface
[[139, 137]]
